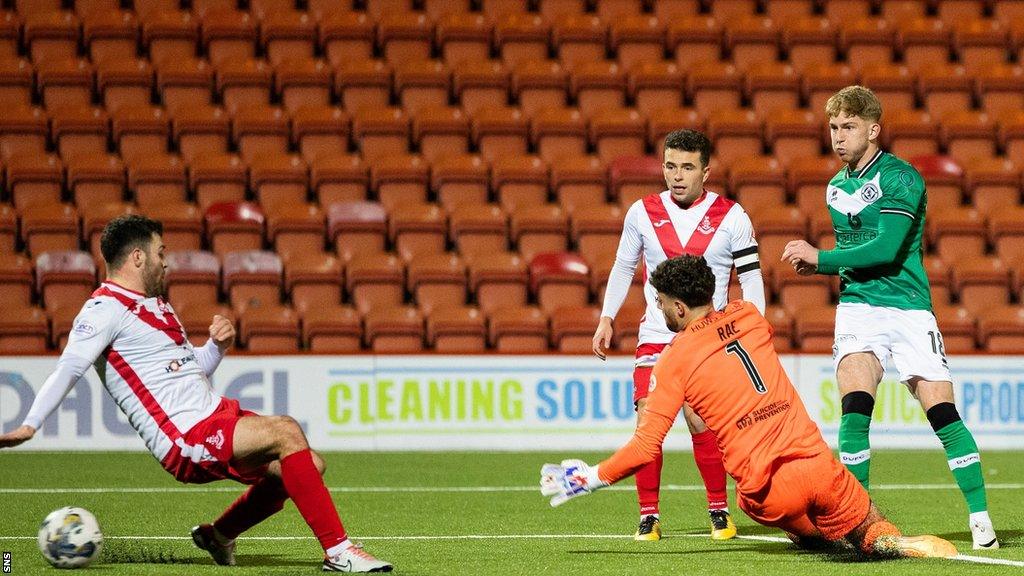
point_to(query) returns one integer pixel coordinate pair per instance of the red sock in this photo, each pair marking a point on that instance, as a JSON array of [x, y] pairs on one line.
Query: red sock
[[306, 488], [648, 485], [709, 462], [261, 501]]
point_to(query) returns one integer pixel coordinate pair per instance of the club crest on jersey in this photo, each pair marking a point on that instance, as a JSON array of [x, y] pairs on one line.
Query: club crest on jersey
[[705, 226], [652, 385], [870, 192], [216, 440]]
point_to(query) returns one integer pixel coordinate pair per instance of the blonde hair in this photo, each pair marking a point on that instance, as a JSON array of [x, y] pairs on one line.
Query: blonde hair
[[855, 101]]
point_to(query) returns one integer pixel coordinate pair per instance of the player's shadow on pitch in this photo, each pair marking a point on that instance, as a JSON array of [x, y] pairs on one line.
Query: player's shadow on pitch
[[1007, 538], [272, 560], [647, 552]]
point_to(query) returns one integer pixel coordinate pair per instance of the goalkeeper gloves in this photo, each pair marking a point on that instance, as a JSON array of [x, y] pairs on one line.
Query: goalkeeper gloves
[[568, 480]]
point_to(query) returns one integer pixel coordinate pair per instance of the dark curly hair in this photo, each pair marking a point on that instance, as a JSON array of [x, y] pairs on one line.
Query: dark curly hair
[[690, 141], [124, 234], [686, 278]]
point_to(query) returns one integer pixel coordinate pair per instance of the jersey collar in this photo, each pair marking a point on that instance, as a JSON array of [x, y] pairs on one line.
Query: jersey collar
[[851, 173], [126, 291]]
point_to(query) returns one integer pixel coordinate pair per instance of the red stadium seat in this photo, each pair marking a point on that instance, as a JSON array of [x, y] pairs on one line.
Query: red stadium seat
[[23, 131], [332, 329], [736, 134], [758, 183], [200, 131], [912, 133], [968, 134], [140, 131], [125, 82], [924, 42], [49, 227], [252, 279], [521, 37], [16, 81], [269, 329], [477, 85], [695, 39], [375, 281], [278, 179], [169, 34], [945, 88], [79, 130], [356, 228], [559, 133], [498, 279], [441, 131], [65, 278], [714, 86], [346, 37], [193, 277], [579, 182], [771, 87], [16, 279], [339, 178], [478, 229], [320, 131], [234, 226], [244, 83], [956, 233], [405, 36], [456, 329], [982, 282], [34, 179], [418, 230], [794, 135], [363, 85], [313, 280], [94, 179], [752, 39], [260, 130], [464, 37], [437, 281], [23, 330], [217, 178], [422, 83], [1006, 232], [110, 34], [303, 82], [808, 40], [519, 181], [635, 178], [540, 228], [381, 132], [944, 176], [539, 85], [183, 224], [399, 180], [296, 229], [638, 38], [992, 184], [227, 34], [460, 180], [656, 85], [615, 133], [288, 34], [559, 279], [979, 43], [1001, 330], [500, 131], [394, 330], [184, 82], [579, 38], [1000, 88], [866, 40], [596, 230], [519, 329], [572, 329], [51, 35], [958, 328]]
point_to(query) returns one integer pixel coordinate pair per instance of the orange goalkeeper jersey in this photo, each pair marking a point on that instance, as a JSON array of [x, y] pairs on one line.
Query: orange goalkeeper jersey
[[724, 366]]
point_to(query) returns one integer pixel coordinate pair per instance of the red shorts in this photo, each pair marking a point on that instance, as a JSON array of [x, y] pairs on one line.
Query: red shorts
[[204, 453], [810, 497], [642, 374]]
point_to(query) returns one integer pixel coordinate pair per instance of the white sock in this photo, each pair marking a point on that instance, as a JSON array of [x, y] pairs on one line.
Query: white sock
[[981, 517], [338, 548], [726, 509], [658, 516]]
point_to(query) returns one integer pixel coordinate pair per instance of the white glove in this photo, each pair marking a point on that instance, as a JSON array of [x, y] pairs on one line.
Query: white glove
[[568, 480]]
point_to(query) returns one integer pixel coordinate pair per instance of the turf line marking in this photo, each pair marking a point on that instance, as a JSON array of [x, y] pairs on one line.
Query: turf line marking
[[440, 489], [774, 539]]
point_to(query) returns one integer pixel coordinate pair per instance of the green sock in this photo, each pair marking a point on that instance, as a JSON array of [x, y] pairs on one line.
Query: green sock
[[854, 445], [965, 462]]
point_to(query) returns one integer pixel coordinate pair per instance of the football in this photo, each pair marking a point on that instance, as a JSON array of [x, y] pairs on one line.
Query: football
[[70, 538]]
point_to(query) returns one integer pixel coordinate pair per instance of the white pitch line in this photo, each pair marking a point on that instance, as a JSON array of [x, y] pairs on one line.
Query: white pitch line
[[437, 489], [774, 539]]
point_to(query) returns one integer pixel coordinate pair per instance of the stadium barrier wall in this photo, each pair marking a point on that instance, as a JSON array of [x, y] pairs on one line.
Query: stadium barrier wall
[[495, 402]]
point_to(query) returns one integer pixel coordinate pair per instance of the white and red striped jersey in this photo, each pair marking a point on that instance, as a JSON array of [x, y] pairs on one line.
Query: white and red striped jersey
[[146, 363], [656, 228]]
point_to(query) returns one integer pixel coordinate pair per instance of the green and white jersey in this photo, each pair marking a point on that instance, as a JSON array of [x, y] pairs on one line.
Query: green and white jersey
[[886, 185]]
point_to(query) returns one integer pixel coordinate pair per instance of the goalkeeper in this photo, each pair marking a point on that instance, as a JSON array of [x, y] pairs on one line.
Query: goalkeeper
[[877, 203], [723, 366]]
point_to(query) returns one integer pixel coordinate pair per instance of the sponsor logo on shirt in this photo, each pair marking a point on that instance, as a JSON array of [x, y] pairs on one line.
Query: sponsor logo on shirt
[[176, 365], [84, 328]]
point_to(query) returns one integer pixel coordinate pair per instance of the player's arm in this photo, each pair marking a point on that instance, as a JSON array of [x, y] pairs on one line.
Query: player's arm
[[89, 337], [222, 336], [576, 478], [746, 261], [627, 257]]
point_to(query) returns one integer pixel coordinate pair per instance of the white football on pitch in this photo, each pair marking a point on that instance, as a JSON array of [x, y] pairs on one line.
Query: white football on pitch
[[70, 538]]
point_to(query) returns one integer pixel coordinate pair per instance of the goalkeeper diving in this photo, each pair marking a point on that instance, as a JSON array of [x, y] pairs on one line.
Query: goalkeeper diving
[[722, 365]]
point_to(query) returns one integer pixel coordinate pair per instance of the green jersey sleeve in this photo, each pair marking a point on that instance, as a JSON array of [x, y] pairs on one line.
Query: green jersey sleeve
[[902, 193]]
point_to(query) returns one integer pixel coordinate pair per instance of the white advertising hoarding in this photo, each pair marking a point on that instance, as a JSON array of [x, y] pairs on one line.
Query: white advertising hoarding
[[495, 402]]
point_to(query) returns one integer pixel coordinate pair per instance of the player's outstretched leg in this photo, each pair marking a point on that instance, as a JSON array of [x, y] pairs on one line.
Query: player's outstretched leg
[[708, 456], [965, 463], [857, 374], [279, 440], [648, 477], [261, 501], [877, 536]]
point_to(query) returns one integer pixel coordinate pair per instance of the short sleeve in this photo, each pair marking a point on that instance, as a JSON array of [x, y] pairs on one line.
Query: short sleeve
[[94, 328], [902, 191]]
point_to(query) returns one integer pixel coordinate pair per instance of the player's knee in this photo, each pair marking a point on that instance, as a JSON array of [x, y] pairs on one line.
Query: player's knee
[[290, 434], [860, 371], [318, 461]]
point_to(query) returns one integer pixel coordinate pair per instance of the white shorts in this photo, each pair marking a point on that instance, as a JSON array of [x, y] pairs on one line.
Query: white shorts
[[911, 337]]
